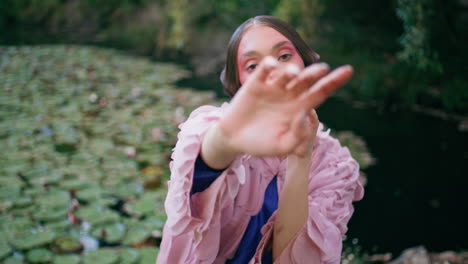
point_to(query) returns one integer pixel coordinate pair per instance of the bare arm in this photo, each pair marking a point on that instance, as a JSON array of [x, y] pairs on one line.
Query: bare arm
[[293, 207]]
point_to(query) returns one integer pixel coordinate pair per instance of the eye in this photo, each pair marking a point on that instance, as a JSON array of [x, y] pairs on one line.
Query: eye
[[284, 57], [251, 67]]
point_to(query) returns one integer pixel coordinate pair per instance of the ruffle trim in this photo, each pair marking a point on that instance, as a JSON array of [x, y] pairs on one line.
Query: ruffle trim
[[199, 213], [333, 186]]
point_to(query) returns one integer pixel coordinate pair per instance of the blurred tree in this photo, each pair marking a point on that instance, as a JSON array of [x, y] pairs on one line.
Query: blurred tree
[[404, 51]]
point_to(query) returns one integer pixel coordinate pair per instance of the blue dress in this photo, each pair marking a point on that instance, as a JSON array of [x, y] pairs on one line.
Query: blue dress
[[204, 176]]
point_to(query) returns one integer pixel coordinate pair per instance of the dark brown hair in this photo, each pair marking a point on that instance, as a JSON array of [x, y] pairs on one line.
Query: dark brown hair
[[230, 76]]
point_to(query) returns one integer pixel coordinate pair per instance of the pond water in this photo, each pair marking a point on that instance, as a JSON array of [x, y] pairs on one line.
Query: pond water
[[416, 191]]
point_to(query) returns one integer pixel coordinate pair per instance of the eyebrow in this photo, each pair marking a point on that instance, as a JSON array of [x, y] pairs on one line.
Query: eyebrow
[[275, 47]]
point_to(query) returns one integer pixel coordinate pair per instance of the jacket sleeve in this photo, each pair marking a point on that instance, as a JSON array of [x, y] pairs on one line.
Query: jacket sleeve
[[333, 185], [192, 230]]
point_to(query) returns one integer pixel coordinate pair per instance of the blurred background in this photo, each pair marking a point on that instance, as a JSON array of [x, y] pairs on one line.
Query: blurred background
[[92, 93]]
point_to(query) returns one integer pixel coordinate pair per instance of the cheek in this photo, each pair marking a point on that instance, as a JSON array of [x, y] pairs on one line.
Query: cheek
[[298, 61]]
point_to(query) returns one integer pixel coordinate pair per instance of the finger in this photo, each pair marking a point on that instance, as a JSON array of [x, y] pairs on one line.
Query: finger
[[304, 146], [308, 77], [326, 86], [313, 117], [265, 68], [285, 75], [295, 135]]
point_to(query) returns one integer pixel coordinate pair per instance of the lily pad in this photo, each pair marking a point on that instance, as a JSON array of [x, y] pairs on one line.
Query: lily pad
[[51, 178], [67, 244], [96, 214], [15, 259], [142, 206], [4, 249], [136, 235], [126, 191], [91, 193], [129, 256], [56, 198], [50, 213], [111, 233], [59, 226], [10, 192], [39, 255], [17, 225], [5, 205], [22, 201], [73, 184], [66, 259], [148, 255], [30, 239], [101, 256]]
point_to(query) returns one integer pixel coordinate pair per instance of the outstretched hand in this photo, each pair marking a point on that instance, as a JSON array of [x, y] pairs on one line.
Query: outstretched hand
[[269, 114]]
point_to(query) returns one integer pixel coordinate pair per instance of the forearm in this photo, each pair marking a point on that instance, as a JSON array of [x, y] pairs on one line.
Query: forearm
[[293, 208], [216, 151]]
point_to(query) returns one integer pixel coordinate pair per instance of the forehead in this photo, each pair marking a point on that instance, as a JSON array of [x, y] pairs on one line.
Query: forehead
[[259, 37]]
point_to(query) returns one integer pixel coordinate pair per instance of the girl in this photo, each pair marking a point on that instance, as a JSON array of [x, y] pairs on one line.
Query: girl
[[257, 180]]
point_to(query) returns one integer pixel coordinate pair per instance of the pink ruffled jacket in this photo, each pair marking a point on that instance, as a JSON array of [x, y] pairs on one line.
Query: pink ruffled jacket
[[206, 227]]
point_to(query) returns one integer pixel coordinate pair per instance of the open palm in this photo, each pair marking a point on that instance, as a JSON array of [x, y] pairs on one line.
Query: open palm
[[268, 115]]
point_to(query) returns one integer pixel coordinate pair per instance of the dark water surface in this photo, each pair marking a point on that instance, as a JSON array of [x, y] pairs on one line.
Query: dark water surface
[[417, 192]]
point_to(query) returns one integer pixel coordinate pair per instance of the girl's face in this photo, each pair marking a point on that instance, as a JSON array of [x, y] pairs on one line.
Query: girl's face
[[261, 41]]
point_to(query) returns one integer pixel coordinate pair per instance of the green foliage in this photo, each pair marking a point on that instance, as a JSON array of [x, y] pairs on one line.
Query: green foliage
[[402, 50], [455, 94], [302, 14], [417, 50]]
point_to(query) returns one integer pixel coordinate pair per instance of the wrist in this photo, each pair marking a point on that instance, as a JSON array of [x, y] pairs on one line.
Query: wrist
[[305, 161], [223, 138]]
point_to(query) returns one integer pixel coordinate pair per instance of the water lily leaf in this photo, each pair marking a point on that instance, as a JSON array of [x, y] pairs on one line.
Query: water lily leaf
[[50, 213], [15, 259], [68, 244], [66, 259], [56, 198], [10, 193], [143, 206], [91, 193], [33, 191], [4, 249], [96, 214], [129, 256], [101, 256], [148, 255], [22, 201], [30, 239], [136, 235], [5, 205], [126, 191], [16, 225], [51, 178], [100, 146], [11, 181], [59, 226], [111, 233], [39, 255], [73, 184], [153, 224]]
